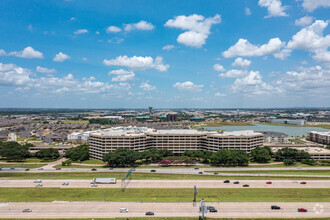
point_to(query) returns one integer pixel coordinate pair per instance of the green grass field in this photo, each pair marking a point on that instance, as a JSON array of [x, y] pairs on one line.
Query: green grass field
[[28, 160], [141, 176], [295, 172], [154, 218], [166, 195], [93, 161], [78, 166], [18, 165]]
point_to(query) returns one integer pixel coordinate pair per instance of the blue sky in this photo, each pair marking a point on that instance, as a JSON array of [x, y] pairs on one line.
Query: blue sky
[[166, 54]]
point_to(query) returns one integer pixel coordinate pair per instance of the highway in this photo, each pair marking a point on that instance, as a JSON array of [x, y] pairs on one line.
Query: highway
[[61, 209]]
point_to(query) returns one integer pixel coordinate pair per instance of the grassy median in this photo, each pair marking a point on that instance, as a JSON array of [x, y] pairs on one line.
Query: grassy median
[[287, 172], [142, 176], [21, 165], [166, 195]]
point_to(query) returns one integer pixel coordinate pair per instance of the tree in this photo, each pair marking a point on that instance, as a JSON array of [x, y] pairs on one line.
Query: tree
[[48, 154], [12, 150], [230, 157], [291, 153], [288, 162], [261, 155], [121, 157], [80, 153]]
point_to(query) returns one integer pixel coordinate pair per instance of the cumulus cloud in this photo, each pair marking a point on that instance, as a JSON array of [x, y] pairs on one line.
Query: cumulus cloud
[[168, 47], [12, 75], [45, 70], [113, 29], [146, 86], [142, 25], [188, 86], [245, 49], [274, 7], [240, 62], [122, 75], [311, 5], [60, 57], [233, 74], [81, 31], [138, 63], [247, 11], [218, 94], [28, 52], [219, 68], [198, 28], [304, 21]]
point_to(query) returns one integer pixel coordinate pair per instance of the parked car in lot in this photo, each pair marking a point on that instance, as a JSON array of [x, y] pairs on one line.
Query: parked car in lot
[[226, 181], [27, 210], [269, 182], [275, 207], [236, 182], [303, 183], [123, 210], [153, 171], [93, 169], [27, 169], [65, 184], [246, 185], [200, 172], [302, 210], [150, 213], [39, 185], [37, 181]]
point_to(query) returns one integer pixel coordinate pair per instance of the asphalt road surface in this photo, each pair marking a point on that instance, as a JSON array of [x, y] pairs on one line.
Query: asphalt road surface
[[10, 183], [111, 209]]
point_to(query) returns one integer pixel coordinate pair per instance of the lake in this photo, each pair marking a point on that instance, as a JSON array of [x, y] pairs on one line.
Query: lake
[[289, 130]]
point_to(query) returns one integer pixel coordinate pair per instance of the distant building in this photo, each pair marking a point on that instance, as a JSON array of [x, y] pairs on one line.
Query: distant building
[[289, 121], [275, 137], [150, 110], [319, 137], [197, 119], [172, 116]]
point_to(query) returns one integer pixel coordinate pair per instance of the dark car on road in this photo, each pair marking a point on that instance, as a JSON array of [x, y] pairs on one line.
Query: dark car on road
[[27, 169], [269, 182], [213, 210], [226, 181], [93, 169], [200, 172], [196, 168], [303, 183], [302, 210], [246, 185], [153, 171], [236, 182], [150, 213], [275, 207]]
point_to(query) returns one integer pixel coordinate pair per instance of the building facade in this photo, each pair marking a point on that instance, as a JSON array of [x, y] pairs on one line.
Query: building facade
[[275, 137], [319, 137], [177, 141]]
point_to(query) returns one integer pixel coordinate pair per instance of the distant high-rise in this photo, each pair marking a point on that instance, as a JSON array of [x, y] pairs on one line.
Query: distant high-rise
[[150, 110]]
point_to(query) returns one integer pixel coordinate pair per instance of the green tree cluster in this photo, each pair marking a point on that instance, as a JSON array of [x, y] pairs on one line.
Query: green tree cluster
[[291, 153], [261, 154], [102, 121], [230, 158], [12, 150], [48, 154], [79, 153]]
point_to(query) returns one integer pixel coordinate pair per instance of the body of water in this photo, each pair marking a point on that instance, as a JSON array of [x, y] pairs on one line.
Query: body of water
[[289, 130]]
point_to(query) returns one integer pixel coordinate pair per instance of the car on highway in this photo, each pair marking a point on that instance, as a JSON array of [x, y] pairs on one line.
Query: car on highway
[[275, 207], [111, 168], [133, 169], [37, 181], [294, 181], [303, 183], [215, 173], [94, 185], [12, 168], [246, 185], [236, 182], [65, 184], [0, 168], [196, 168], [40, 168], [299, 167], [153, 171], [200, 172], [226, 181], [123, 210], [213, 210], [39, 185], [210, 207], [58, 168], [27, 169], [269, 182], [73, 169], [302, 210], [93, 169], [150, 213], [27, 210]]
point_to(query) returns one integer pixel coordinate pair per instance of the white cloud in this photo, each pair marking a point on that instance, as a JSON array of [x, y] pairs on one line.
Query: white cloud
[[113, 29], [168, 47], [218, 94], [274, 7], [81, 31], [198, 28], [142, 25], [60, 57], [45, 70], [72, 19], [311, 5], [115, 40], [146, 86], [240, 62], [28, 52], [30, 27], [3, 52], [138, 63], [188, 86], [311, 37], [233, 74], [12, 75], [247, 11], [245, 49], [122, 75], [322, 56], [284, 53], [304, 21], [84, 59], [218, 68]]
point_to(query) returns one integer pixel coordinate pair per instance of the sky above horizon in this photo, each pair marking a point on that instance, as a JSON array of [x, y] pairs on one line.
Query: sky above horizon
[[165, 54]]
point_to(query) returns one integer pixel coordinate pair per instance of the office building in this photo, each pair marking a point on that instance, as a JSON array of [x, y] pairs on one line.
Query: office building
[[319, 137]]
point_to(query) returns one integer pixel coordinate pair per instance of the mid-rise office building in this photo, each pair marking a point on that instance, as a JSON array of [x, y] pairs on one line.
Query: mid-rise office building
[[319, 137], [177, 141]]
